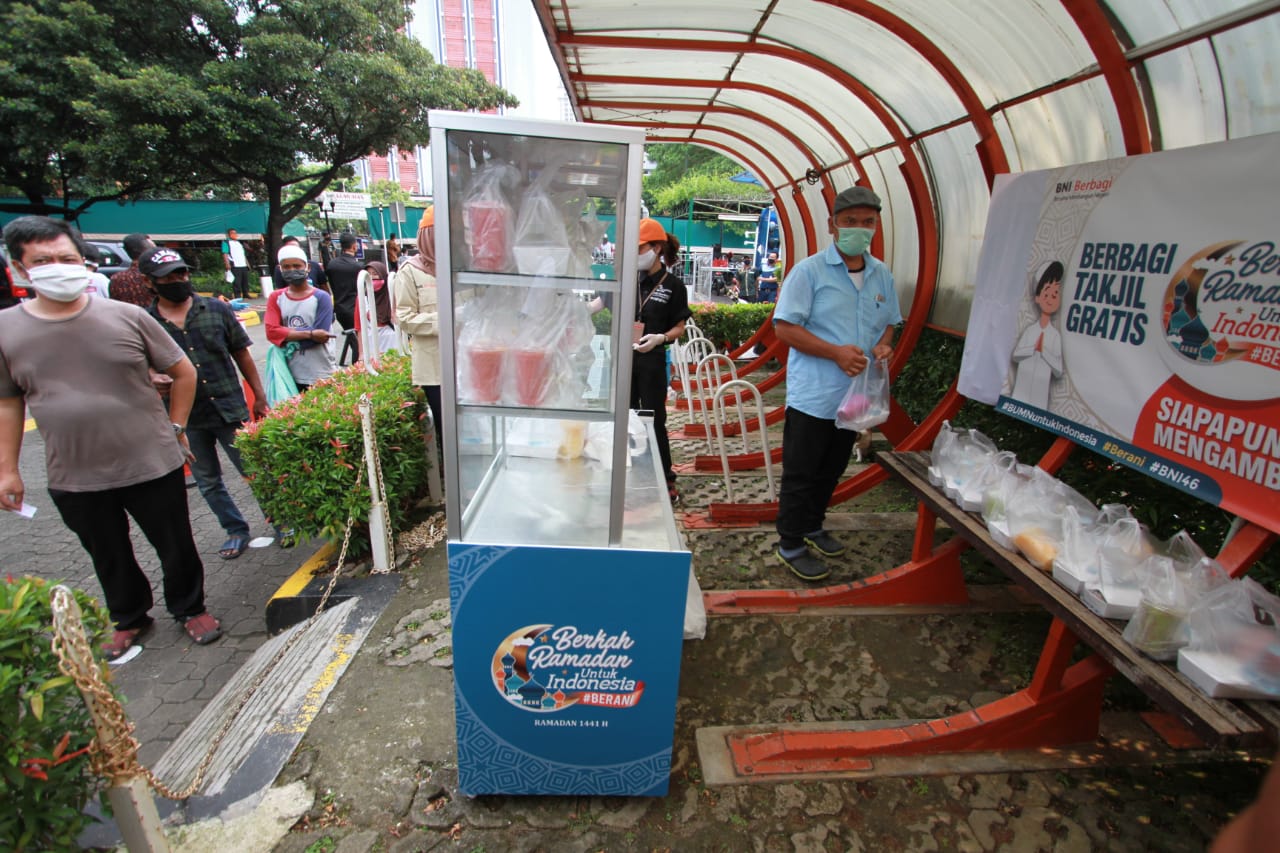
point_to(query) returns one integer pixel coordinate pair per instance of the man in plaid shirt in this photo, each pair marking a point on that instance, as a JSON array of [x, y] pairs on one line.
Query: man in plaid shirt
[[209, 332]]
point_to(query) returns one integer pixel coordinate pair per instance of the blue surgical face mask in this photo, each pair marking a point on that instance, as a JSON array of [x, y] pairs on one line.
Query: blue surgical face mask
[[854, 241]]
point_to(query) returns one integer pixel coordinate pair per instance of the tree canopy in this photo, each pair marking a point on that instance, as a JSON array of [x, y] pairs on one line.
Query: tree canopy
[[684, 172], [112, 99]]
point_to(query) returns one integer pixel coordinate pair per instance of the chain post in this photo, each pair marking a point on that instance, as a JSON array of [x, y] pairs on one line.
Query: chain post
[[131, 801], [379, 523]]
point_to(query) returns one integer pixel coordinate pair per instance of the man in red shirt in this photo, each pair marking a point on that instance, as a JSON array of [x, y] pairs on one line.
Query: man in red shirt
[[130, 285]]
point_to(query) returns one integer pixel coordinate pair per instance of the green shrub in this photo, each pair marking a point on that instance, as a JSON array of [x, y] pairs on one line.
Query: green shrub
[[936, 361], [303, 459], [728, 326], [45, 778], [601, 320]]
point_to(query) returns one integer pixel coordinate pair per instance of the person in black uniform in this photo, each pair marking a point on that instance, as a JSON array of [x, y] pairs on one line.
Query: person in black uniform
[[342, 273], [662, 306]]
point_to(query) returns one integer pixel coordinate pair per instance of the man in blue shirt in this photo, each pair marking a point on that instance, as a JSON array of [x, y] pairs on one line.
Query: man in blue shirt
[[837, 312]]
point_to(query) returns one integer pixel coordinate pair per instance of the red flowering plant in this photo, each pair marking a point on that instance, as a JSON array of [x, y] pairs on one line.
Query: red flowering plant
[[304, 459], [45, 778]]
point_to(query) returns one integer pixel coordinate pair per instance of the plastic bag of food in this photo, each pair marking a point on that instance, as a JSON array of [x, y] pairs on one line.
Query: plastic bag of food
[[1076, 564], [1160, 626], [973, 494], [1183, 550], [487, 219], [1034, 519], [1234, 646], [967, 455], [487, 326], [1067, 496], [541, 240], [941, 447], [866, 402], [997, 500], [1123, 552]]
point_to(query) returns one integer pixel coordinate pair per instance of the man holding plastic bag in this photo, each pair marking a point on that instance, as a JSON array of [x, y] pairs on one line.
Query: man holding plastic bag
[[298, 320], [837, 313]]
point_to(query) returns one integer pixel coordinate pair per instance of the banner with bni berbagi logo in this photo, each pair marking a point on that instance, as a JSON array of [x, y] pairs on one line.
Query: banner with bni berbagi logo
[[1133, 306]]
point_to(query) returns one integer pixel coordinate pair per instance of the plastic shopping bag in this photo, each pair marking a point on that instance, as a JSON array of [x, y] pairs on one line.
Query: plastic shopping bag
[[974, 493], [541, 239], [1034, 518], [1234, 645], [487, 219], [280, 383], [968, 454], [941, 447], [1159, 627], [1123, 552], [866, 402]]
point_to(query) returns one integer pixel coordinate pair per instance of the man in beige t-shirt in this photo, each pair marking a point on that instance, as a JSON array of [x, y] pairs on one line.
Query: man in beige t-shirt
[[82, 367]]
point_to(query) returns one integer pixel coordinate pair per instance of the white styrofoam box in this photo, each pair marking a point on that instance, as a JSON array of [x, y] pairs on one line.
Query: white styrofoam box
[[1220, 675], [970, 500], [999, 531], [1067, 576], [935, 476], [1120, 606], [542, 260], [1073, 575]]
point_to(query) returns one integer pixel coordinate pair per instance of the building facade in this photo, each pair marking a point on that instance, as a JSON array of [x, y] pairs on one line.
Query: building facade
[[500, 38]]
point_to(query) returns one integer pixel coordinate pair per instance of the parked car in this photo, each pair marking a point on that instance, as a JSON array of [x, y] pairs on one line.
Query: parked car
[[11, 293], [112, 257]]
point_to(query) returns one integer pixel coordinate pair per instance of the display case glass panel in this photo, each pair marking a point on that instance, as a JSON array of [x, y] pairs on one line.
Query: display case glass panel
[[536, 383]]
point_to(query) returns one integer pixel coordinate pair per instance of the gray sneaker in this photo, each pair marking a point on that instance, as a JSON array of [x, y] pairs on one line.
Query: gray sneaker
[[825, 544], [805, 566]]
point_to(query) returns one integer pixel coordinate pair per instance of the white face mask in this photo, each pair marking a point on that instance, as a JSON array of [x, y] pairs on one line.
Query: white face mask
[[59, 282], [644, 262]]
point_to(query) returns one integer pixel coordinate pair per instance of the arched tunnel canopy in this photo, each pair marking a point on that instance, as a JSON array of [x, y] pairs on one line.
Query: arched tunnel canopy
[[923, 100]]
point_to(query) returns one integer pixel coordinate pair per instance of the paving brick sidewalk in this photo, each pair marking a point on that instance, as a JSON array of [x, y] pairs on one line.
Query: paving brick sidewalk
[[172, 680]]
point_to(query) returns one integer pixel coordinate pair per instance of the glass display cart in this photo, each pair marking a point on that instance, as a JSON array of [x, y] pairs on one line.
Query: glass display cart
[[568, 576]]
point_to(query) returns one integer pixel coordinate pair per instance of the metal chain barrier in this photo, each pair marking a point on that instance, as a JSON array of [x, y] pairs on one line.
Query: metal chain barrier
[[113, 754]]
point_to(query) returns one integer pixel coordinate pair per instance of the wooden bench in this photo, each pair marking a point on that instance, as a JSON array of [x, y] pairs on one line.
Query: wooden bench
[[1218, 722], [1061, 707]]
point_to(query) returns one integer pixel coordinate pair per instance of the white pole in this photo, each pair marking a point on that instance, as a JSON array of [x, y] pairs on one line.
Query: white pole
[[368, 321], [378, 505]]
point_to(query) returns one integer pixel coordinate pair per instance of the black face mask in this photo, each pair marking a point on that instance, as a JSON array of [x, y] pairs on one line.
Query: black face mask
[[174, 291], [293, 276]]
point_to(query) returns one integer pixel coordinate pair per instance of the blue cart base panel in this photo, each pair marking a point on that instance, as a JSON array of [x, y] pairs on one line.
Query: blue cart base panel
[[566, 667]]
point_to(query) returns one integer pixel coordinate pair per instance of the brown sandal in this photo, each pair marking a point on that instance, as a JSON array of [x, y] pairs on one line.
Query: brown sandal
[[202, 629], [123, 640]]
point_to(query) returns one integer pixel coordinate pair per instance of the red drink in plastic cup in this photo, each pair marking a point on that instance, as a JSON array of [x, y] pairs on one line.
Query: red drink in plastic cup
[[486, 373], [533, 368], [487, 224]]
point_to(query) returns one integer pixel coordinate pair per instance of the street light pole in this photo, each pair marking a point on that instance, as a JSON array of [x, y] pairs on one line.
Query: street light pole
[[325, 210]]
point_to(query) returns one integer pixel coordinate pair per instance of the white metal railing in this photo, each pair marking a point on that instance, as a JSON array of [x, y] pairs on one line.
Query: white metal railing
[[709, 366], [738, 387]]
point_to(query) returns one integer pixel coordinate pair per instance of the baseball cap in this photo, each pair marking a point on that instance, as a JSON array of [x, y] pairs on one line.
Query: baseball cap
[[856, 197], [158, 263], [651, 231]]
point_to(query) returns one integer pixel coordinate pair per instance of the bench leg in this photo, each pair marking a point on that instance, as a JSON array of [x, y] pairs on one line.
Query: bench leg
[[931, 577], [1062, 706]]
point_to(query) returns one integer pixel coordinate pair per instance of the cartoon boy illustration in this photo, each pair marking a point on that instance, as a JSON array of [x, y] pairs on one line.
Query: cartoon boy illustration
[[1037, 359]]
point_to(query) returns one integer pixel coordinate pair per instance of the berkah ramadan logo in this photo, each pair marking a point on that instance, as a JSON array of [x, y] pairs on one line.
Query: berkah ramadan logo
[[547, 668], [1223, 305]]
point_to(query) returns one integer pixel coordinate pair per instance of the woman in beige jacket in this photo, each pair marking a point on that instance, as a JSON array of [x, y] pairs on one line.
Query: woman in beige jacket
[[417, 312]]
